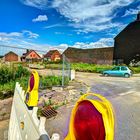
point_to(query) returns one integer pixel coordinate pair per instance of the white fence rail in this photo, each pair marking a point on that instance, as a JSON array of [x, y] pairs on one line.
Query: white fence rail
[[24, 124]]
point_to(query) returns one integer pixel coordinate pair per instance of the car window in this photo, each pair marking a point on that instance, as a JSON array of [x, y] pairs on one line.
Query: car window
[[123, 68], [116, 68]]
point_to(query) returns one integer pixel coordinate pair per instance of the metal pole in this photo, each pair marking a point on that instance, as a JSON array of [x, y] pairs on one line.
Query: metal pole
[[69, 71], [63, 70]]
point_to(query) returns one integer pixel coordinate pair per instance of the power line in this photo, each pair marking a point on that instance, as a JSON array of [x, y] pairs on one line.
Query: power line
[[21, 48]]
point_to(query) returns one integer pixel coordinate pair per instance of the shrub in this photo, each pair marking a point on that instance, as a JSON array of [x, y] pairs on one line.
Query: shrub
[[84, 67], [10, 73], [49, 81], [21, 71], [8, 78], [7, 89], [6, 74], [135, 69]]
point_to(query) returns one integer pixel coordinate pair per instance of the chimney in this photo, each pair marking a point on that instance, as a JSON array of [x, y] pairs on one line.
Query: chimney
[[27, 50], [138, 16]]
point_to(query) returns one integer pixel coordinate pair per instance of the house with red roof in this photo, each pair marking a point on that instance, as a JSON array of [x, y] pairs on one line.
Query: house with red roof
[[52, 55], [11, 57], [30, 56]]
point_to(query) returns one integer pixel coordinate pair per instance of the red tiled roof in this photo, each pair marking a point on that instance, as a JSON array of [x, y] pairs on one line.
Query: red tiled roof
[[50, 53]]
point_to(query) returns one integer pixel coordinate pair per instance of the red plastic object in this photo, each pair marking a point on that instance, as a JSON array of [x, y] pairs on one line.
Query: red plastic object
[[88, 122], [31, 82]]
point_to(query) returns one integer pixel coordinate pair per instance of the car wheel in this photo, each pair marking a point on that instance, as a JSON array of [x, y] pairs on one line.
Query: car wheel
[[106, 74], [126, 75]]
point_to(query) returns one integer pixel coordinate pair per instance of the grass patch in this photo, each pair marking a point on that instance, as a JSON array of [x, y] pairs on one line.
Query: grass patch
[[135, 70], [53, 66], [9, 75], [7, 89], [84, 67], [49, 81]]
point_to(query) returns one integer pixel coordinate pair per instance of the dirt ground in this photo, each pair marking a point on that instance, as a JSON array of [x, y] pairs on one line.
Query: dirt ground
[[4, 129]]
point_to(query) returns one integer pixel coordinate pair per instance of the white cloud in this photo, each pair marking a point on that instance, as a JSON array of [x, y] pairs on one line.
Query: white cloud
[[90, 15], [53, 25], [18, 35], [12, 34], [29, 34], [22, 42], [101, 43], [85, 15], [87, 27], [40, 18], [104, 42], [40, 4], [131, 12], [81, 10]]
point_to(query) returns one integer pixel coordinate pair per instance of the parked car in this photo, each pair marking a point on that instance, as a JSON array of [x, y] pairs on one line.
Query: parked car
[[118, 71]]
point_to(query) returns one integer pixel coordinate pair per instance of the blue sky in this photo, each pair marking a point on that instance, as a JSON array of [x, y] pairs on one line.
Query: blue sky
[[51, 24]]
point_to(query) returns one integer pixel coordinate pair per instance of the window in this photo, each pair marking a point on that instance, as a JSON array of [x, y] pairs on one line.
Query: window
[[123, 68], [116, 68]]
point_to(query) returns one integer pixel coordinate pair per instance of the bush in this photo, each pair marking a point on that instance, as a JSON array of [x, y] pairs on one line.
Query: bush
[[84, 67], [8, 78], [135, 70], [8, 74], [49, 81], [21, 71], [7, 89]]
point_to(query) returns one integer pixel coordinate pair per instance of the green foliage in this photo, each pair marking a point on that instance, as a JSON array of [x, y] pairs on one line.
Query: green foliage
[[8, 78], [55, 107], [49, 103], [81, 93], [21, 71], [7, 89], [7, 86], [8, 74], [49, 81], [84, 67], [135, 70], [53, 66], [53, 62]]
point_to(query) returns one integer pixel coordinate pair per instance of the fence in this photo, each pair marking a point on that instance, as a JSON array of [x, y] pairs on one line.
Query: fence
[[44, 67], [66, 70], [24, 124]]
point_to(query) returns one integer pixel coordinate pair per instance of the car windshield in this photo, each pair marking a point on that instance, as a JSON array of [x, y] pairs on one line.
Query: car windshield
[[116, 68]]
